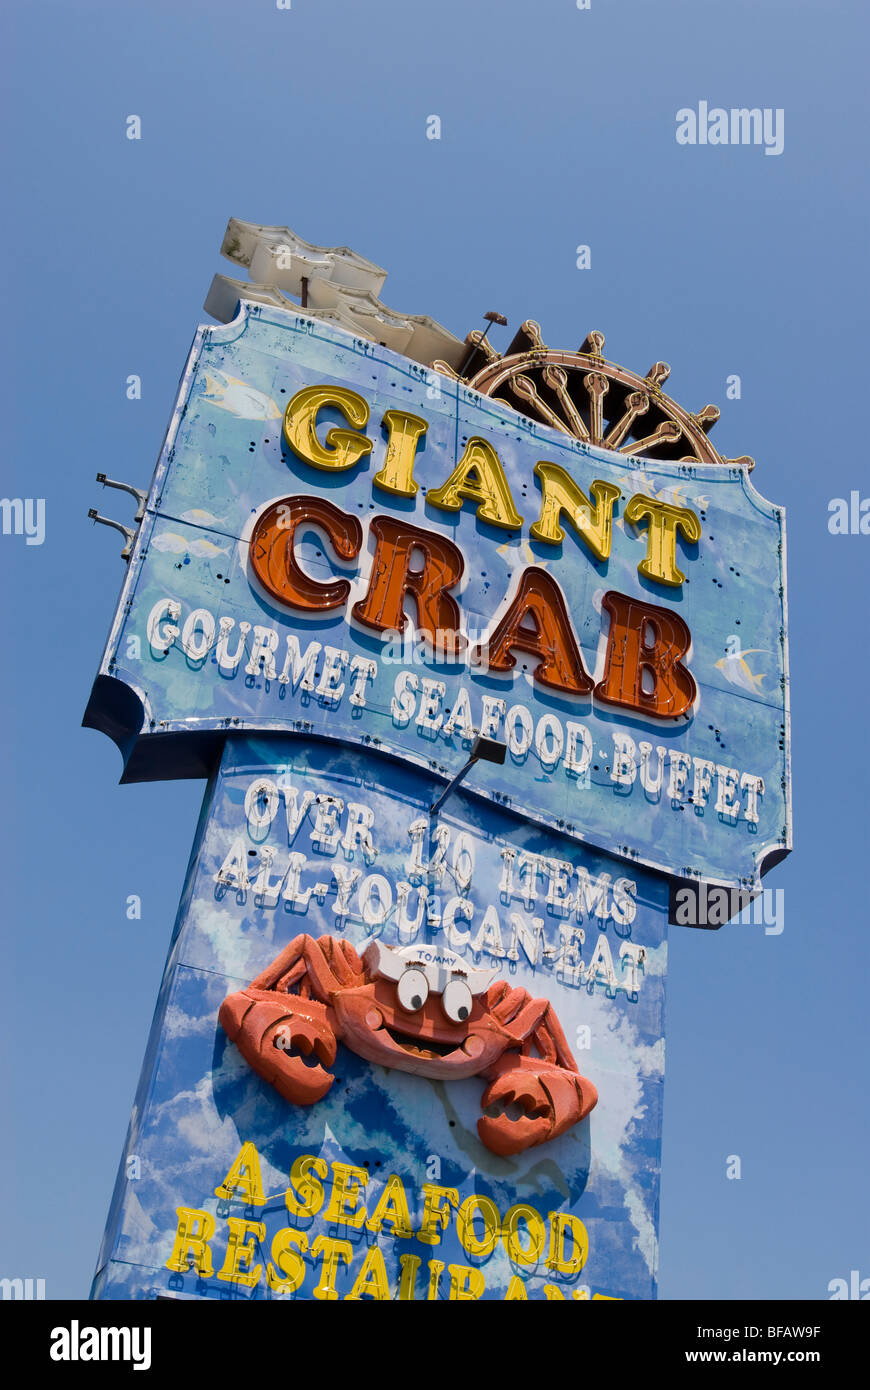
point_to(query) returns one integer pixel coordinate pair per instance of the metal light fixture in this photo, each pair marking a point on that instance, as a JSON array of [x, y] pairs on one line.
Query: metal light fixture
[[476, 340], [126, 531], [141, 497], [487, 750]]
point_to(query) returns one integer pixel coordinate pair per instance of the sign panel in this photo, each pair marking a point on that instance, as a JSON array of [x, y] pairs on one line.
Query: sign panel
[[410, 1046], [341, 543], [446, 1081]]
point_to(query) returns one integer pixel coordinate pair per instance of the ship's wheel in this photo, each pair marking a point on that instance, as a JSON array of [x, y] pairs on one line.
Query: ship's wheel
[[589, 398]]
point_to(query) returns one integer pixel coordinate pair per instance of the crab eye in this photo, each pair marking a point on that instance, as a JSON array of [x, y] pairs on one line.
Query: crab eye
[[412, 990], [457, 1001]]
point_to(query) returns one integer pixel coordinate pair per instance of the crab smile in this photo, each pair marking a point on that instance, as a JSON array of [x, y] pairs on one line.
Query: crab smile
[[418, 1047]]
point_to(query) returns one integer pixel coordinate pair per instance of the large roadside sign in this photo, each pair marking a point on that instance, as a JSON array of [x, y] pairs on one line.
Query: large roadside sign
[[411, 1046]]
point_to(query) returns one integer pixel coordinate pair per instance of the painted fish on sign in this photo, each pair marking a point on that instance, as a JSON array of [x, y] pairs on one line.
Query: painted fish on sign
[[329, 549], [409, 1041]]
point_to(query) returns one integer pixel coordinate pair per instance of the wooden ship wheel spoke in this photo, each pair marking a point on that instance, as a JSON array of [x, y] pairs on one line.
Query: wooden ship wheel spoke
[[583, 395]]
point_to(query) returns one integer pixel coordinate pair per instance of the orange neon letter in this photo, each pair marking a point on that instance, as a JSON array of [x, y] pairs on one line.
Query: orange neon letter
[[273, 559], [548, 636], [392, 578], [643, 669]]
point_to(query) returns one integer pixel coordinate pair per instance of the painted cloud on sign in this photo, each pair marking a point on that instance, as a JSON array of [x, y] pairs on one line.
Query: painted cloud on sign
[[205, 1101]]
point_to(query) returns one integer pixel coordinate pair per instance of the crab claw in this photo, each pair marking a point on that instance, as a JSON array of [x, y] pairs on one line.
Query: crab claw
[[549, 1100], [505, 1135], [285, 1039]]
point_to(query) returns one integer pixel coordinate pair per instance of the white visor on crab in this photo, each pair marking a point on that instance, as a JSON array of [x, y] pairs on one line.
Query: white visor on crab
[[439, 965]]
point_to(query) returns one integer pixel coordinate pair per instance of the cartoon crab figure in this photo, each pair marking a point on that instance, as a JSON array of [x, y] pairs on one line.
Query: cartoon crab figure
[[416, 1009]]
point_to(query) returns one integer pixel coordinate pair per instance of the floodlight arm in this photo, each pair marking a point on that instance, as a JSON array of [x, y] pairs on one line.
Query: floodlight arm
[[141, 497], [126, 531], [488, 750]]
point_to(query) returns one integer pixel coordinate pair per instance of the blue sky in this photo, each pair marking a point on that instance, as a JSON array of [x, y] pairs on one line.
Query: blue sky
[[558, 129]]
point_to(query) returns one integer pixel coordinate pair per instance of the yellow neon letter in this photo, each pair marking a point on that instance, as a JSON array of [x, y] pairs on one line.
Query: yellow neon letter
[[241, 1250], [465, 1283], [593, 520], [561, 1223], [332, 1251], [471, 1243], [244, 1179], [537, 1232], [195, 1230], [436, 1212], [288, 1250], [488, 486], [397, 474], [409, 1264], [310, 1188], [436, 1269], [516, 1290], [343, 448], [393, 1207], [371, 1280], [344, 1205], [661, 545]]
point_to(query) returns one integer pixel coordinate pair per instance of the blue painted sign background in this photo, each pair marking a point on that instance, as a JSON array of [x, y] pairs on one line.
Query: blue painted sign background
[[588, 935], [225, 460]]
